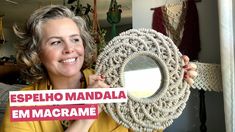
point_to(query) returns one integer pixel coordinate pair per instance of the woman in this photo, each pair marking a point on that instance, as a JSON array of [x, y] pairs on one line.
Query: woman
[[54, 45]]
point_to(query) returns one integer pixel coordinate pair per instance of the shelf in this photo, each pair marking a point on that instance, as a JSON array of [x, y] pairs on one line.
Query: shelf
[[8, 69]]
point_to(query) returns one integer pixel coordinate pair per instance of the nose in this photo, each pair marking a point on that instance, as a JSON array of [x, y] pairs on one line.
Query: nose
[[68, 47]]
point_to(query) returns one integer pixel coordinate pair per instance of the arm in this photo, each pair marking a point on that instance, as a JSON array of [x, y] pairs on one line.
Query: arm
[[8, 126]]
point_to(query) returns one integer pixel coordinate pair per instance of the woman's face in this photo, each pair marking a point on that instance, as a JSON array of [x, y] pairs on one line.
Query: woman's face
[[62, 51]]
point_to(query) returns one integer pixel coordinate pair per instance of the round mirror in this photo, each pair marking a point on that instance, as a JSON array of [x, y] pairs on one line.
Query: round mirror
[[142, 77], [157, 93]]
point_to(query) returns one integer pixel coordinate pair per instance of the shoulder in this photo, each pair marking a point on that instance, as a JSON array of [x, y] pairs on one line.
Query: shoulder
[[87, 72], [29, 87], [40, 85]]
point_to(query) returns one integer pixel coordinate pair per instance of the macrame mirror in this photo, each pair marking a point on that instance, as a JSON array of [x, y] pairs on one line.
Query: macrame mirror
[[136, 69], [149, 66]]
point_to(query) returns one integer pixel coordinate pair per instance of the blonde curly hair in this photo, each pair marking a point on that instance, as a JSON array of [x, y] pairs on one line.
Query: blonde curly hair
[[28, 50]]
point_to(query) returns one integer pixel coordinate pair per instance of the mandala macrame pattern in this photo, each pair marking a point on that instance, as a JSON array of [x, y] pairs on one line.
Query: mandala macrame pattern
[[159, 110]]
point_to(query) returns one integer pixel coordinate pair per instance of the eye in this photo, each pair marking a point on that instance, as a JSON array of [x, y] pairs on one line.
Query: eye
[[55, 43], [75, 40]]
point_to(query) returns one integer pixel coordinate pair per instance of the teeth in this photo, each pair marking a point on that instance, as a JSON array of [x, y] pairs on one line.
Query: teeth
[[69, 60]]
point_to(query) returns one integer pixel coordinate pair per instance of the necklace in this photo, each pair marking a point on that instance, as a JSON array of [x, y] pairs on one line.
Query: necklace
[[83, 83], [66, 123]]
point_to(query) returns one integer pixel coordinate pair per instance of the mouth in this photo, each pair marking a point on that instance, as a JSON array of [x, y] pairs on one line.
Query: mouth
[[69, 60]]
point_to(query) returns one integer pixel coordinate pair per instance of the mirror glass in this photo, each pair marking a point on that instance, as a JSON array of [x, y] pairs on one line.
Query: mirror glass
[[142, 77]]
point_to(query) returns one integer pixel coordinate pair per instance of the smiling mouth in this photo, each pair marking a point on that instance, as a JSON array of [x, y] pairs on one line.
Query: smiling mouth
[[70, 60]]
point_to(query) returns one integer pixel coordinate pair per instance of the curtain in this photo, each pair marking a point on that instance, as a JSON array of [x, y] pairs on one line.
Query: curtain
[[227, 42]]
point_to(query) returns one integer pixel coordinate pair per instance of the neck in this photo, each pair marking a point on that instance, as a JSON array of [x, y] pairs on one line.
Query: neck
[[66, 82]]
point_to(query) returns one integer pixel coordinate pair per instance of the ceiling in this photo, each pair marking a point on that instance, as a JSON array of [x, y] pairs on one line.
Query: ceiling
[[17, 11]]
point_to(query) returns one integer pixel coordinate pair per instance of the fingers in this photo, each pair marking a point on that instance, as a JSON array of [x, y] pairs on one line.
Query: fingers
[[186, 59], [97, 81], [190, 74], [93, 78], [190, 70], [190, 81], [190, 66]]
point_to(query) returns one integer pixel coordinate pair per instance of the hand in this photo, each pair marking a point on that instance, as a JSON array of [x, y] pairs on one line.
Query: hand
[[94, 81], [97, 81], [190, 70]]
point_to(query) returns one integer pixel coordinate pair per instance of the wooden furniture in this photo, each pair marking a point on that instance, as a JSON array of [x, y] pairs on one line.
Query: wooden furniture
[[9, 73], [7, 69]]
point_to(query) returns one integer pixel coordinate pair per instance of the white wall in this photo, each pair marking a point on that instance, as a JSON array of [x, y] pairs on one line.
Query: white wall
[[209, 31], [210, 53], [141, 13]]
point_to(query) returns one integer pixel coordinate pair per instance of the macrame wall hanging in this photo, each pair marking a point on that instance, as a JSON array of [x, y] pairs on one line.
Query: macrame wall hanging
[[179, 21], [174, 19], [114, 16], [159, 110]]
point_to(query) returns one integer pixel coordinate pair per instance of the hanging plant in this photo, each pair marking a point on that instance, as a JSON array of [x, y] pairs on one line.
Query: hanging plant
[[114, 16], [80, 10], [114, 12]]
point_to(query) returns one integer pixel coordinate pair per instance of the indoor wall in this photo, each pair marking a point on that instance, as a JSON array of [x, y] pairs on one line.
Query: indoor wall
[[210, 53]]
